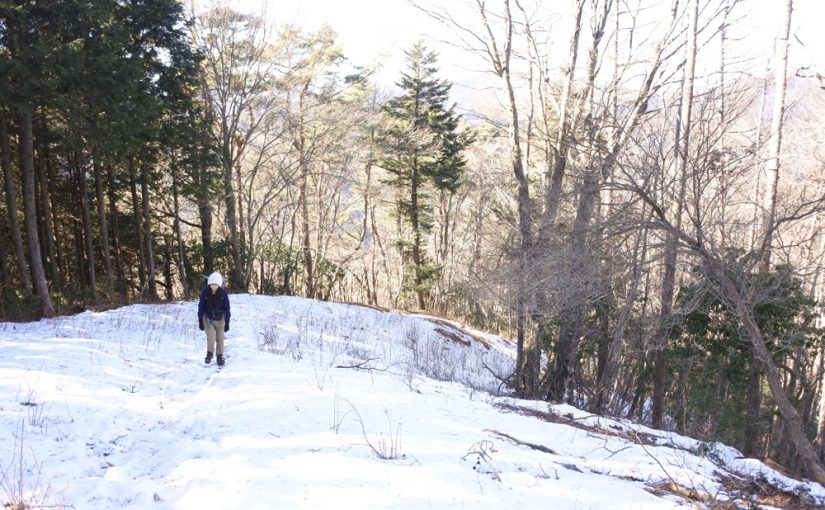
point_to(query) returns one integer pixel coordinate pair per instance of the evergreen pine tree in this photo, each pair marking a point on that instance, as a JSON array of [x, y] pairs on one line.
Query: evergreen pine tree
[[422, 147]]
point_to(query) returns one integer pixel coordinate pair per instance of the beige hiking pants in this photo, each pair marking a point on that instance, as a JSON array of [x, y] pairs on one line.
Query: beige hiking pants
[[214, 333]]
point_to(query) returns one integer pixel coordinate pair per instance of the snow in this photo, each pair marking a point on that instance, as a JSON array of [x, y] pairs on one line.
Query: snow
[[321, 405]]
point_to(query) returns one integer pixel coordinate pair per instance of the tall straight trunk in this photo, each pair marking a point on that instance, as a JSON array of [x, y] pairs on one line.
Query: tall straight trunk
[[820, 414], [232, 223], [85, 207], [244, 250], [723, 121], [137, 215], [104, 228], [775, 140], [682, 383], [660, 369], [79, 240], [152, 288], [754, 391], [415, 183], [374, 271], [42, 167], [5, 275], [168, 286], [306, 243], [30, 211], [527, 354], [11, 205], [113, 213], [205, 213], [53, 198], [234, 236], [180, 260]]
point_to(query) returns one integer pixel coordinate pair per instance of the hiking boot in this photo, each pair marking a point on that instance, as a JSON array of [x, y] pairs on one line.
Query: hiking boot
[[220, 360], [208, 358]]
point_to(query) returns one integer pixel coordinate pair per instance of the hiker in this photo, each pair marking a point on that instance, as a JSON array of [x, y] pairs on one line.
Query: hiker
[[213, 316]]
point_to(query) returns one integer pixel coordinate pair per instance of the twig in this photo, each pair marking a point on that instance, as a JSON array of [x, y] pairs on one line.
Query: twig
[[534, 446], [638, 440], [362, 365]]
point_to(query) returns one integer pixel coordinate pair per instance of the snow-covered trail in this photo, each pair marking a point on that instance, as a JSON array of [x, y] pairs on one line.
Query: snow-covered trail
[[117, 410]]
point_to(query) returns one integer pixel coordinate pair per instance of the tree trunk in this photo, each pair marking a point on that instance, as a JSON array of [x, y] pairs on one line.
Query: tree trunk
[[85, 207], [168, 286], [48, 217], [181, 255], [205, 213], [754, 394], [232, 224], [60, 260], [552, 195], [104, 228], [581, 267], [582, 264], [30, 211], [11, 205], [794, 426], [527, 355], [4, 263], [136, 214], [306, 244], [113, 213], [151, 291], [609, 367], [753, 406], [775, 140], [244, 250], [416, 232], [660, 368]]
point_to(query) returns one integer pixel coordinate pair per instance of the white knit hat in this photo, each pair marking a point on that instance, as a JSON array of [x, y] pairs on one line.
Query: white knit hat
[[215, 278]]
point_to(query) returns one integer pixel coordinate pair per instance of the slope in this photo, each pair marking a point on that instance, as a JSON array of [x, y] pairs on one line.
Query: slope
[[321, 405]]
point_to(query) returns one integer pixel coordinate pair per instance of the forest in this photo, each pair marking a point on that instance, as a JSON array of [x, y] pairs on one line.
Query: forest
[[638, 209]]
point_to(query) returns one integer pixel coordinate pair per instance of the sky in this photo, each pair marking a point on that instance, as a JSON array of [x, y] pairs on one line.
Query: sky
[[380, 30], [320, 405]]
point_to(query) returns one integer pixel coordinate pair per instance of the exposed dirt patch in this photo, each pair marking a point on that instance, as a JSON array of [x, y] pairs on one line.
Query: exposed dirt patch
[[449, 335], [452, 332], [374, 307], [646, 439]]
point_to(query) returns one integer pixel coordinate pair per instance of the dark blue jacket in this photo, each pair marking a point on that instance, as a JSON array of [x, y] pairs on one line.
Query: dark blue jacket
[[214, 306]]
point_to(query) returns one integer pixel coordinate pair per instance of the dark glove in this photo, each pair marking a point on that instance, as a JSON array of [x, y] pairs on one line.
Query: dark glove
[[226, 326], [200, 323]]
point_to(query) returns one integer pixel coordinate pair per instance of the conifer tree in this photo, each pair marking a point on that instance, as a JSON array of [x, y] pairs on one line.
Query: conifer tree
[[423, 148]]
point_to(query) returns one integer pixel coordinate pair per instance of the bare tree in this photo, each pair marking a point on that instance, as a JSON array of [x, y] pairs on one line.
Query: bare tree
[[238, 81], [497, 51], [499, 54], [732, 285], [669, 278], [768, 200], [775, 141], [597, 164]]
